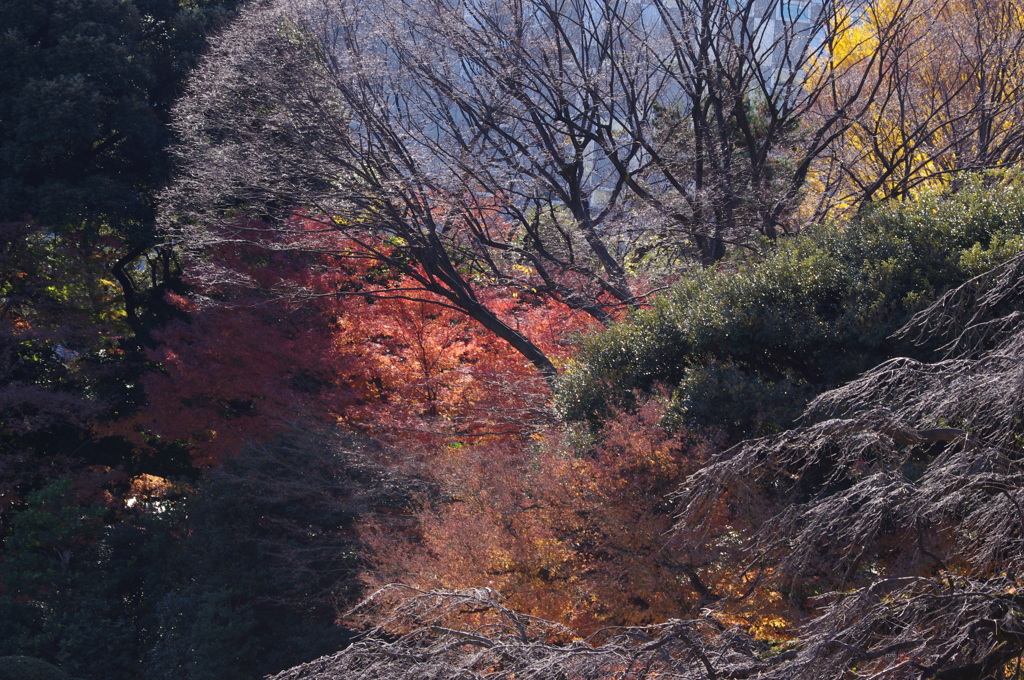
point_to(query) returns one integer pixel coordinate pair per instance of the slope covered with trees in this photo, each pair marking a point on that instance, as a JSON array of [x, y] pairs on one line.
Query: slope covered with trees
[[889, 521], [633, 339]]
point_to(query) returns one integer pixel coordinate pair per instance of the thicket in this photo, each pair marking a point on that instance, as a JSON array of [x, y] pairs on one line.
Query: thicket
[[235, 575], [880, 538], [742, 348], [181, 491], [85, 95]]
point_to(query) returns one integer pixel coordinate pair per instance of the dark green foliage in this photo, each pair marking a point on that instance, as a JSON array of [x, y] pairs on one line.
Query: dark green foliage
[[271, 557], [86, 87], [85, 91], [724, 395], [746, 346], [46, 540], [28, 668], [206, 634], [75, 588], [243, 577]]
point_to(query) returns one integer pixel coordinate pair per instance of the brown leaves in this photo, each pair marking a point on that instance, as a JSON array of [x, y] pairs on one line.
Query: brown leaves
[[575, 535]]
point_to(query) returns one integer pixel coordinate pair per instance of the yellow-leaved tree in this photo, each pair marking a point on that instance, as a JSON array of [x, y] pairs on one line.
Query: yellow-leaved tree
[[941, 91]]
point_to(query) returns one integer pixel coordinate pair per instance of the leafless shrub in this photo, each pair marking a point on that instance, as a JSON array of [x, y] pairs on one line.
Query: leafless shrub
[[471, 634], [901, 501]]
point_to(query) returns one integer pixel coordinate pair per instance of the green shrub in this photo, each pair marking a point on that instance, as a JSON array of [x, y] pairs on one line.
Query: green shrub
[[746, 346]]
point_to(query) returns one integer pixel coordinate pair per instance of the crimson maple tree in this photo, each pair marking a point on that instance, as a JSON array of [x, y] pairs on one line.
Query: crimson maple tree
[[333, 335]]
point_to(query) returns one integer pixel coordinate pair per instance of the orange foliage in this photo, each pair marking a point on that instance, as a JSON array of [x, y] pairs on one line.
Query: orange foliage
[[578, 537], [434, 373], [568, 531]]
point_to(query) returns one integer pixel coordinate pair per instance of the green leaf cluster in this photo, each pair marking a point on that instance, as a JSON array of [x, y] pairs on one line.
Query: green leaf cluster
[[742, 348]]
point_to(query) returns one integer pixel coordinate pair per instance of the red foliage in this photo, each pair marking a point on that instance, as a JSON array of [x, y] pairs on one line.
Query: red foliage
[[242, 364], [436, 373], [354, 342], [573, 532], [234, 374]]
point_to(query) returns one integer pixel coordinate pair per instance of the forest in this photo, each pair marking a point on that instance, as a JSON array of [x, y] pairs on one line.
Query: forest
[[511, 339]]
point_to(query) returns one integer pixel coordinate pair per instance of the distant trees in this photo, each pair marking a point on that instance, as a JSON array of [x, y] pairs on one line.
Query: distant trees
[[544, 145]]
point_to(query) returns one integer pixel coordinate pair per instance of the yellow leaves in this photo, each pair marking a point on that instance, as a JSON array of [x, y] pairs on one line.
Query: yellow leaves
[[115, 314], [856, 37], [764, 612], [854, 40], [927, 91], [770, 627]]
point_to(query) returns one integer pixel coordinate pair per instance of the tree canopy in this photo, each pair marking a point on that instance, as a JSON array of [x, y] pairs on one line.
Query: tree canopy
[[511, 338], [893, 514]]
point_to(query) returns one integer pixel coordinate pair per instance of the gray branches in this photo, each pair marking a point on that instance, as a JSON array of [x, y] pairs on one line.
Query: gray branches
[[553, 145], [903, 498], [470, 634], [541, 145]]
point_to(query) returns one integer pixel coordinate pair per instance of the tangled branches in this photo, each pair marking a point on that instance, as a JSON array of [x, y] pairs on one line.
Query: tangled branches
[[897, 511], [470, 634]]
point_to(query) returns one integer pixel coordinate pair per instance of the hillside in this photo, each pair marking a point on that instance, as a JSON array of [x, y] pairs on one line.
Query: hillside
[[511, 339]]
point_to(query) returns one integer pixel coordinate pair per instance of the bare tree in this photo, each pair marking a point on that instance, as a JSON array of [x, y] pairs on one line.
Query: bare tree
[[531, 144], [728, 147], [382, 124]]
